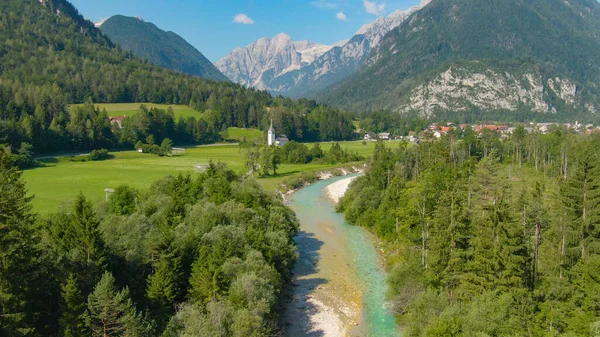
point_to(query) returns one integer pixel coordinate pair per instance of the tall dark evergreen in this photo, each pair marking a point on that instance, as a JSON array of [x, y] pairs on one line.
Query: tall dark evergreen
[[16, 250], [72, 322]]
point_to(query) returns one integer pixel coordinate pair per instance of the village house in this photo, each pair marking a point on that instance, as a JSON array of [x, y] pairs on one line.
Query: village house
[[118, 120], [384, 136], [481, 127]]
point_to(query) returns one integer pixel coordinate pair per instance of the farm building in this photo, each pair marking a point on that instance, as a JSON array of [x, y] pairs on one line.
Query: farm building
[[384, 136], [118, 120]]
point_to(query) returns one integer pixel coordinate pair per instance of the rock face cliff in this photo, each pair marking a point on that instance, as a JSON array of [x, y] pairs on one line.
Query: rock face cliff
[[461, 88], [518, 58], [274, 64], [260, 63], [253, 65]]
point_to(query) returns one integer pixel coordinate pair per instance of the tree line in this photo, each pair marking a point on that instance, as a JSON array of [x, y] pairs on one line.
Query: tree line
[[488, 236], [204, 255], [262, 159]]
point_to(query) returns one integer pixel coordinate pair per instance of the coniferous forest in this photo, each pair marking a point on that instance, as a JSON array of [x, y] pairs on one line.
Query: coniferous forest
[[488, 236]]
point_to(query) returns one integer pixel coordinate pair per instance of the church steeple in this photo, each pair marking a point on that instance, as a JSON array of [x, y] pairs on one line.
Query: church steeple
[[271, 135], [271, 129]]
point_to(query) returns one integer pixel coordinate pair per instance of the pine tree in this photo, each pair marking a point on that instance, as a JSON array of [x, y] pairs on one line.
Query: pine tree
[[165, 285], [16, 251], [73, 308], [498, 243], [112, 313], [450, 236], [86, 224], [87, 241], [581, 198]]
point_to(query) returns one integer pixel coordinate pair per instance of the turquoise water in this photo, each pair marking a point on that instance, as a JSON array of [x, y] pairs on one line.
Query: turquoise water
[[357, 246]]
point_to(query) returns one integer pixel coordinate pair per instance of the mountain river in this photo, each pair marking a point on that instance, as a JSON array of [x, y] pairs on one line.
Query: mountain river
[[339, 286]]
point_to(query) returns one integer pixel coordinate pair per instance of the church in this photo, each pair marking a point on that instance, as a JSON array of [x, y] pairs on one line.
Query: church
[[274, 139]]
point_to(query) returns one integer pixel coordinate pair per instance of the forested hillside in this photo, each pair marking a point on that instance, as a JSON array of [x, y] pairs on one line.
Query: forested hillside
[[488, 237], [165, 49], [190, 256], [517, 58], [51, 57]]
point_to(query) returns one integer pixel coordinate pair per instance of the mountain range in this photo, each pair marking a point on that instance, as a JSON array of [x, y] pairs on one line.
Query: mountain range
[[281, 66], [165, 49], [512, 59], [266, 59], [467, 58], [460, 59]]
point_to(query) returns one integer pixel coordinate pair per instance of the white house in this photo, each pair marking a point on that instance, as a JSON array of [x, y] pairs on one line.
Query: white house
[[384, 136], [118, 120]]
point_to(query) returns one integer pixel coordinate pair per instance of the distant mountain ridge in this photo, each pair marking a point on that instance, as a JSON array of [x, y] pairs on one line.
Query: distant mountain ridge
[[471, 57], [257, 64], [165, 49], [339, 63], [277, 68]]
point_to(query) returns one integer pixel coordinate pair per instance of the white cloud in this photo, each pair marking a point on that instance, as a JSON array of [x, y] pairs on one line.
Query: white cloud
[[243, 18], [341, 16], [374, 8]]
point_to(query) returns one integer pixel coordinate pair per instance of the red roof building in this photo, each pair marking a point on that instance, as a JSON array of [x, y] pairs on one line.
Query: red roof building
[[117, 120]]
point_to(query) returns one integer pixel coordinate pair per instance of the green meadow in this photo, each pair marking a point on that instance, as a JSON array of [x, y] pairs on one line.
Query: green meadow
[[60, 180], [130, 109], [243, 134]]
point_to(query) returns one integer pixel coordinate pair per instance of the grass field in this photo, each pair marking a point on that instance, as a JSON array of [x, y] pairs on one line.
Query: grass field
[[61, 180], [241, 134], [130, 109]]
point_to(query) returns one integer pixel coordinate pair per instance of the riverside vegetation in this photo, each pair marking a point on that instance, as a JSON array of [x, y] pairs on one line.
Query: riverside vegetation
[[203, 256], [488, 237]]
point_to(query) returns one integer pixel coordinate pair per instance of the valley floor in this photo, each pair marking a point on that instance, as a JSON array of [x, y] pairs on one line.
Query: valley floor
[[61, 180]]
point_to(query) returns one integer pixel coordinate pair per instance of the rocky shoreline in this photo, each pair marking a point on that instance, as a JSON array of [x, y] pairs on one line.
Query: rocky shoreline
[[288, 188]]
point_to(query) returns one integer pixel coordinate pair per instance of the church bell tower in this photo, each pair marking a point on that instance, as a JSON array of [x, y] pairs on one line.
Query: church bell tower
[[271, 135]]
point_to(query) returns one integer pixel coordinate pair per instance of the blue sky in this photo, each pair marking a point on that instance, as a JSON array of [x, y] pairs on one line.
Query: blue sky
[[209, 25]]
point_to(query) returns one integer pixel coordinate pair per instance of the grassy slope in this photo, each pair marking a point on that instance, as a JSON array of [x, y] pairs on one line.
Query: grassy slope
[[130, 109], [61, 180], [241, 134]]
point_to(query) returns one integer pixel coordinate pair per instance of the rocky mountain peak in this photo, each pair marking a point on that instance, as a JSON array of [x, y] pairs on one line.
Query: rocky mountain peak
[[283, 66]]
